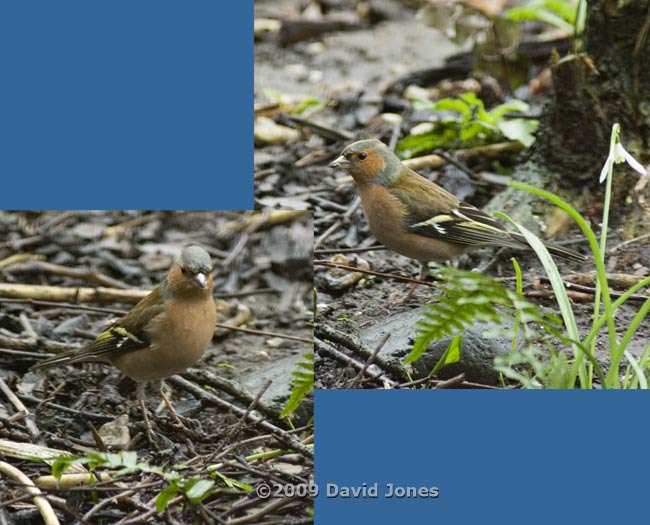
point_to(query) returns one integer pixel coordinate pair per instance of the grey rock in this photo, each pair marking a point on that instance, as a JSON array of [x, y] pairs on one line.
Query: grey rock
[[279, 372], [476, 356]]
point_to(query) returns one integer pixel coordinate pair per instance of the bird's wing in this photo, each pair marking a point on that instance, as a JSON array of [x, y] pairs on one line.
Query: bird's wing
[[129, 333], [434, 212], [464, 224], [126, 335]]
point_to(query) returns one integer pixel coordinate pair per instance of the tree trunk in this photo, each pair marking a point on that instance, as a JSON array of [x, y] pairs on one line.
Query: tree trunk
[[608, 83]]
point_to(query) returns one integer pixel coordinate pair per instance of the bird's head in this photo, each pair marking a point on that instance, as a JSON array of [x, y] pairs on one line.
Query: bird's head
[[369, 162], [191, 272]]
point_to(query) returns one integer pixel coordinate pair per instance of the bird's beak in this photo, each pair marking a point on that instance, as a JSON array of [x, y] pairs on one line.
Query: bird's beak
[[201, 279], [341, 162]]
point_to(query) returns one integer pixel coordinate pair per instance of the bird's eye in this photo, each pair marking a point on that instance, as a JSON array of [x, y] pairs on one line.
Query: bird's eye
[[184, 271], [362, 156]]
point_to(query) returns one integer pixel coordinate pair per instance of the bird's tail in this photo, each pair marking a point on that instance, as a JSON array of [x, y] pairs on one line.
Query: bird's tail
[[64, 358], [564, 253]]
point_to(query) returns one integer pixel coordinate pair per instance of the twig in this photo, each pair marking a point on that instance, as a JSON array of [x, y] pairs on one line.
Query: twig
[[263, 333], [110, 500], [267, 218], [376, 247], [321, 129], [143, 518], [346, 216], [323, 348], [491, 151], [453, 382], [546, 294], [27, 326], [245, 293], [370, 360], [582, 292], [241, 242], [229, 386], [255, 516], [44, 507], [630, 241], [32, 343], [356, 345], [447, 383], [623, 280], [75, 273], [53, 304], [21, 243], [279, 434], [22, 409], [394, 136], [119, 229], [328, 204], [84, 414], [237, 428], [393, 276], [461, 166], [262, 174]]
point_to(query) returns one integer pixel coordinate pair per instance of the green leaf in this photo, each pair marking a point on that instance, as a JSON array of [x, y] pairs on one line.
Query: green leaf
[[478, 130], [233, 483], [309, 103], [422, 104], [451, 355], [197, 490], [512, 106], [454, 104], [443, 135], [63, 462], [166, 495], [519, 129], [638, 370], [478, 111], [567, 10], [541, 14]]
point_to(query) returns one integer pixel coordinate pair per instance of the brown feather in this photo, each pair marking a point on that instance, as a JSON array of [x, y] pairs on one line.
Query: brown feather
[[415, 217]]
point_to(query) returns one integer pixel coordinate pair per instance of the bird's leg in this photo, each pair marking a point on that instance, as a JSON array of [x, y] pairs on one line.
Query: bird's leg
[[140, 394], [169, 405], [498, 256], [424, 273]]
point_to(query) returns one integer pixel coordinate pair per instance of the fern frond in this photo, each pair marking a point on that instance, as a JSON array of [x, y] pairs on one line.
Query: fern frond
[[301, 385], [470, 297]]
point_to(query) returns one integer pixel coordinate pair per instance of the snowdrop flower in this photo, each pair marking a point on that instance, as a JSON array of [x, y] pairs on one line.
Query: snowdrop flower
[[618, 154]]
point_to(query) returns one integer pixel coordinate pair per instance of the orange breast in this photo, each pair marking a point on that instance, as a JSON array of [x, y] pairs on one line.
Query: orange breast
[[179, 337], [385, 216]]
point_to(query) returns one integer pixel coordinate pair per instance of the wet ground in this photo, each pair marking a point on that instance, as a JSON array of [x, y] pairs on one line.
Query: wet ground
[[263, 279], [352, 73], [367, 57]]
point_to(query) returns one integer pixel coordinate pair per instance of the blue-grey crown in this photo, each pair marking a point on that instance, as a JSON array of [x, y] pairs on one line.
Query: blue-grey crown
[[196, 259]]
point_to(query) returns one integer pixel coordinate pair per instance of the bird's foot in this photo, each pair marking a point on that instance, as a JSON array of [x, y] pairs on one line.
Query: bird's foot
[[151, 436]]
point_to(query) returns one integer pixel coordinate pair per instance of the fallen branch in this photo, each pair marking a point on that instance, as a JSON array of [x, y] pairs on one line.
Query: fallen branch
[[358, 347], [70, 294], [75, 273], [44, 507], [393, 276]]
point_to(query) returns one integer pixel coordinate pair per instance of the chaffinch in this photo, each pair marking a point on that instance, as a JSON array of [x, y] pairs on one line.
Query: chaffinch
[[162, 335], [415, 217]]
